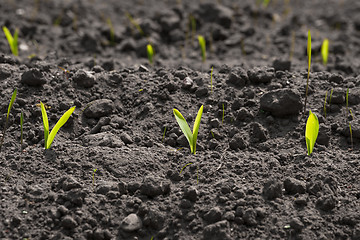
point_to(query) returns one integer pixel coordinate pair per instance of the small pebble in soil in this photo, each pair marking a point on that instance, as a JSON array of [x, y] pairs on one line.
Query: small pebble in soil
[[131, 223]]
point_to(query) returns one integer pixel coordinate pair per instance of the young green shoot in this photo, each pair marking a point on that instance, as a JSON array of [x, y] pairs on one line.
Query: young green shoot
[[202, 44], [150, 53], [135, 24], [163, 138], [211, 78], [309, 65], [12, 40], [292, 45], [112, 31], [190, 136], [93, 177], [21, 128], [325, 103], [311, 132], [325, 51], [351, 138], [197, 171], [49, 138], [193, 28], [12, 100], [265, 3]]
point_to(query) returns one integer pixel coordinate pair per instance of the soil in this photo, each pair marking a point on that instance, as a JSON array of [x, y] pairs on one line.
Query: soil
[[121, 168]]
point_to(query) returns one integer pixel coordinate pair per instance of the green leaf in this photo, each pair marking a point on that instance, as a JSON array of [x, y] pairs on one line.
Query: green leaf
[[184, 127], [202, 44], [325, 51], [150, 53], [58, 125], [13, 97], [45, 123], [13, 41], [309, 50], [196, 127], [14, 47], [311, 132]]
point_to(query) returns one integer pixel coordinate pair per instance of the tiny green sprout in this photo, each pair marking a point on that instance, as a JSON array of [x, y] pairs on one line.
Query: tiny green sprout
[[351, 138], [21, 128], [185, 167], [112, 31], [325, 103], [49, 138], [311, 132], [309, 65], [12, 100], [93, 177], [135, 24], [211, 78], [325, 51], [212, 134], [193, 28], [190, 136], [150, 53], [163, 134], [202, 44], [265, 3], [12, 40], [197, 171]]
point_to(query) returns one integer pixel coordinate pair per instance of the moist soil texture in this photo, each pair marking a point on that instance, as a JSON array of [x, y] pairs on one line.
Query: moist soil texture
[[121, 168]]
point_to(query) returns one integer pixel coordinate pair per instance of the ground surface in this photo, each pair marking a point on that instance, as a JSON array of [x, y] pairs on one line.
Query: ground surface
[[251, 177]]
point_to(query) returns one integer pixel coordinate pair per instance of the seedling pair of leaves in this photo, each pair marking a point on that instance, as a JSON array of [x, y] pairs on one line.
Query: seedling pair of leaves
[[12, 40], [190, 136], [49, 138]]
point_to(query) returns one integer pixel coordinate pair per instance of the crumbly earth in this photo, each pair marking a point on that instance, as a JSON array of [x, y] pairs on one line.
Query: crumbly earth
[[251, 177]]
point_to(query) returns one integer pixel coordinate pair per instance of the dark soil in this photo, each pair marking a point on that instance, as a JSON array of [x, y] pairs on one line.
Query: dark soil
[[251, 177]]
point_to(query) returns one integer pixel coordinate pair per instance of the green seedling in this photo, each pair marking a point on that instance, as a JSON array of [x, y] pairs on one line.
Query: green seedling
[[351, 138], [325, 51], [311, 132], [193, 27], [21, 128], [12, 40], [150, 53], [211, 78], [190, 136], [292, 45], [202, 44], [112, 31], [135, 24], [325, 104], [309, 65], [197, 171], [93, 177], [163, 134], [50, 137], [12, 100], [265, 3]]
